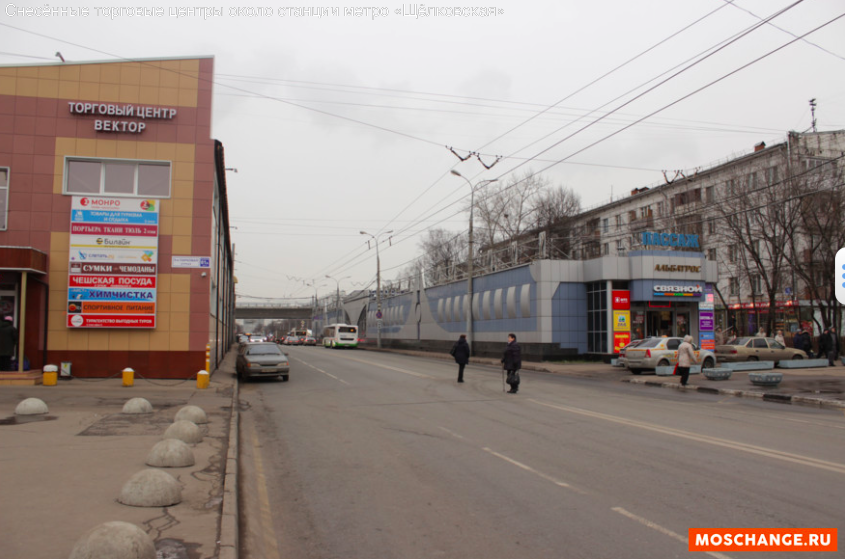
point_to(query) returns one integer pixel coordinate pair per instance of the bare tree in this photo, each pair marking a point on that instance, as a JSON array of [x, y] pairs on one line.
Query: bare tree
[[443, 252], [505, 209]]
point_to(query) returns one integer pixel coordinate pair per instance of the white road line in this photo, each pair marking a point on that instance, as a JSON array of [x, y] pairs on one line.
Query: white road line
[[662, 530], [322, 371], [751, 449], [533, 471]]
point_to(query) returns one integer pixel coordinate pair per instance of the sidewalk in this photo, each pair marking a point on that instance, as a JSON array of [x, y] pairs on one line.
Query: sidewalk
[[820, 387], [61, 473]]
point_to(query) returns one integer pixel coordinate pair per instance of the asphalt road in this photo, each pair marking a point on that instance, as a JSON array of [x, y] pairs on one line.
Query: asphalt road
[[376, 455]]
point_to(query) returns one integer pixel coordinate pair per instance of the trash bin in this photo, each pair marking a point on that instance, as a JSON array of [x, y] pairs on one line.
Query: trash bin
[[49, 375]]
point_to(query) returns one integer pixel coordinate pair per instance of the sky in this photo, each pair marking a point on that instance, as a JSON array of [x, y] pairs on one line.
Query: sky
[[352, 121]]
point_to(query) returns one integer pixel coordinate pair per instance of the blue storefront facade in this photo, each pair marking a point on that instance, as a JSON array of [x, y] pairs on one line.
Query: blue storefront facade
[[557, 308]]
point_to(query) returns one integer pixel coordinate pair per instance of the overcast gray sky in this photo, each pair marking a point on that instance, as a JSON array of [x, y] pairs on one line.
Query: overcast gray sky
[[340, 124]]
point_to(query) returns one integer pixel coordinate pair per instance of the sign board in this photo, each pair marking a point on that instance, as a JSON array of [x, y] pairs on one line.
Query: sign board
[[621, 300], [705, 321], [621, 321], [113, 261], [708, 340], [190, 262], [620, 340]]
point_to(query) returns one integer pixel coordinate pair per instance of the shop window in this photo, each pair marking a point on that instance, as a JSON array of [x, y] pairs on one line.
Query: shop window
[[4, 198], [597, 327], [114, 177]]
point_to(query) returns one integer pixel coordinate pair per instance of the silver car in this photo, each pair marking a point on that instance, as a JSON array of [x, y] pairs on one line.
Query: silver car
[[263, 359], [660, 352]]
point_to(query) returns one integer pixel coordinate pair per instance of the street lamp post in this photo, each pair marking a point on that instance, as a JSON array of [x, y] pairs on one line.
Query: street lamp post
[[337, 298], [472, 190], [315, 286], [378, 283]]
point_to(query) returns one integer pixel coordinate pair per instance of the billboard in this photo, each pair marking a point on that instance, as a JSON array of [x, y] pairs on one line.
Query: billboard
[[112, 273]]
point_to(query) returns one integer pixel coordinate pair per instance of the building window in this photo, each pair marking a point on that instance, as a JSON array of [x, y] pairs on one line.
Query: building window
[[605, 249], [711, 226], [772, 175], [734, 286], [661, 208], [756, 284], [732, 253], [645, 211], [710, 193], [711, 254], [116, 177], [618, 221], [4, 198], [620, 247], [597, 317], [605, 225]]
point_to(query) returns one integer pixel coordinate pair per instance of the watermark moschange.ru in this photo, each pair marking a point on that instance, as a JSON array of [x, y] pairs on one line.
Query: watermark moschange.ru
[[763, 539]]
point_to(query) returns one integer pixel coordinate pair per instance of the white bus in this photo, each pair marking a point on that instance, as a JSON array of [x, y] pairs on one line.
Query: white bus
[[340, 335]]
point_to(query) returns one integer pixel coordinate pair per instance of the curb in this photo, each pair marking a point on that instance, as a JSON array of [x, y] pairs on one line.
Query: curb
[[228, 544], [765, 396]]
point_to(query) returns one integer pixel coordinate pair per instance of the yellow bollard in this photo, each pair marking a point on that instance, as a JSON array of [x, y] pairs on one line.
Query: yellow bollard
[[203, 379], [128, 376], [50, 375], [207, 356]]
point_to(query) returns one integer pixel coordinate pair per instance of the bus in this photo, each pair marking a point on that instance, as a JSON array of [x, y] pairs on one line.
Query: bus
[[340, 335]]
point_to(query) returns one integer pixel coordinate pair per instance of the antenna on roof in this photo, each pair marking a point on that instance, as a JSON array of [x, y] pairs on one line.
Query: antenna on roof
[[62, 58]]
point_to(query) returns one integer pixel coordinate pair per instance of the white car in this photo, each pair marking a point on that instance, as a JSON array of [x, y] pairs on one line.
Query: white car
[[662, 352]]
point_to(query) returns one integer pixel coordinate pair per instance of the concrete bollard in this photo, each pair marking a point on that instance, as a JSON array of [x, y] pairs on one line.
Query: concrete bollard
[[31, 406], [184, 430], [128, 376], [49, 375], [114, 540], [151, 488], [203, 379]]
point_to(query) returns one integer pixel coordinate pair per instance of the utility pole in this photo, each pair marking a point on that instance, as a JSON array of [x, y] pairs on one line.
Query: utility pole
[[470, 270], [378, 283]]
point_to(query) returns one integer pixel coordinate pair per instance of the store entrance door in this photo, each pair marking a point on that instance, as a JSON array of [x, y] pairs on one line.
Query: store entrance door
[[658, 323]]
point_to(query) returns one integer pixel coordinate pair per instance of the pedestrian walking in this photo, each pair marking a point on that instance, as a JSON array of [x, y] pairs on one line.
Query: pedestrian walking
[[512, 363], [460, 351], [686, 359], [833, 347], [825, 346], [8, 341]]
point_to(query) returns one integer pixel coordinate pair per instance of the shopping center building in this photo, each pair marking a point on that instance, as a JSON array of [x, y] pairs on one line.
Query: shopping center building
[[114, 235]]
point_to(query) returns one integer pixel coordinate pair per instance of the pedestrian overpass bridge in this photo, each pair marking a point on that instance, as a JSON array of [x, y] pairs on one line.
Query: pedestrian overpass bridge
[[272, 312]]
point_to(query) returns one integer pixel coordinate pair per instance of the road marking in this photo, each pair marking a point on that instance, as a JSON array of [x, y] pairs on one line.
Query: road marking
[[397, 369], [533, 471], [662, 530], [322, 371], [268, 533], [457, 436], [751, 449]]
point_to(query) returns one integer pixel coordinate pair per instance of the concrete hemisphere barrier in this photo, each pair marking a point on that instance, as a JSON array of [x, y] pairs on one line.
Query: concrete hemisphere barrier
[[184, 430], [137, 406], [194, 414], [114, 540], [170, 453], [31, 406], [151, 488]]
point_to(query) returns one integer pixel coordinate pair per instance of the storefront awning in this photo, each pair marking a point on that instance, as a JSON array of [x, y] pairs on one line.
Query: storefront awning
[[23, 259]]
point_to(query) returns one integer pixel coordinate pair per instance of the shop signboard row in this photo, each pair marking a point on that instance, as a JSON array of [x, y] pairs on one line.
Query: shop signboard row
[[112, 273]]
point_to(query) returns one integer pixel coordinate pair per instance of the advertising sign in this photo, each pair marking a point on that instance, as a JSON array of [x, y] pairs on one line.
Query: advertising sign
[[112, 273], [705, 320], [620, 340], [621, 300], [621, 321], [708, 340]]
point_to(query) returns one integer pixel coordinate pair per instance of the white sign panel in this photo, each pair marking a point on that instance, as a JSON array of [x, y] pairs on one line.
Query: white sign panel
[[191, 262]]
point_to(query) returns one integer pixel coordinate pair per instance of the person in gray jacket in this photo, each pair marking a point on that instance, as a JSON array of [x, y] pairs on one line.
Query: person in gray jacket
[[686, 359]]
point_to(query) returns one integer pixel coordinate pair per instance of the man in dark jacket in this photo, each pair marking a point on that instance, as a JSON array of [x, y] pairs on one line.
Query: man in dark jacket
[[8, 341], [832, 346], [512, 363], [824, 344], [460, 351]]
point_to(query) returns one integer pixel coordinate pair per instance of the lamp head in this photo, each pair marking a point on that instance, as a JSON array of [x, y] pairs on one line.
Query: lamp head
[[457, 174]]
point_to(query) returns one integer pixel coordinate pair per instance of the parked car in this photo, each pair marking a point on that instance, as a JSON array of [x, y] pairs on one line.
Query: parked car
[[757, 349], [261, 359], [661, 352], [623, 352], [309, 341]]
